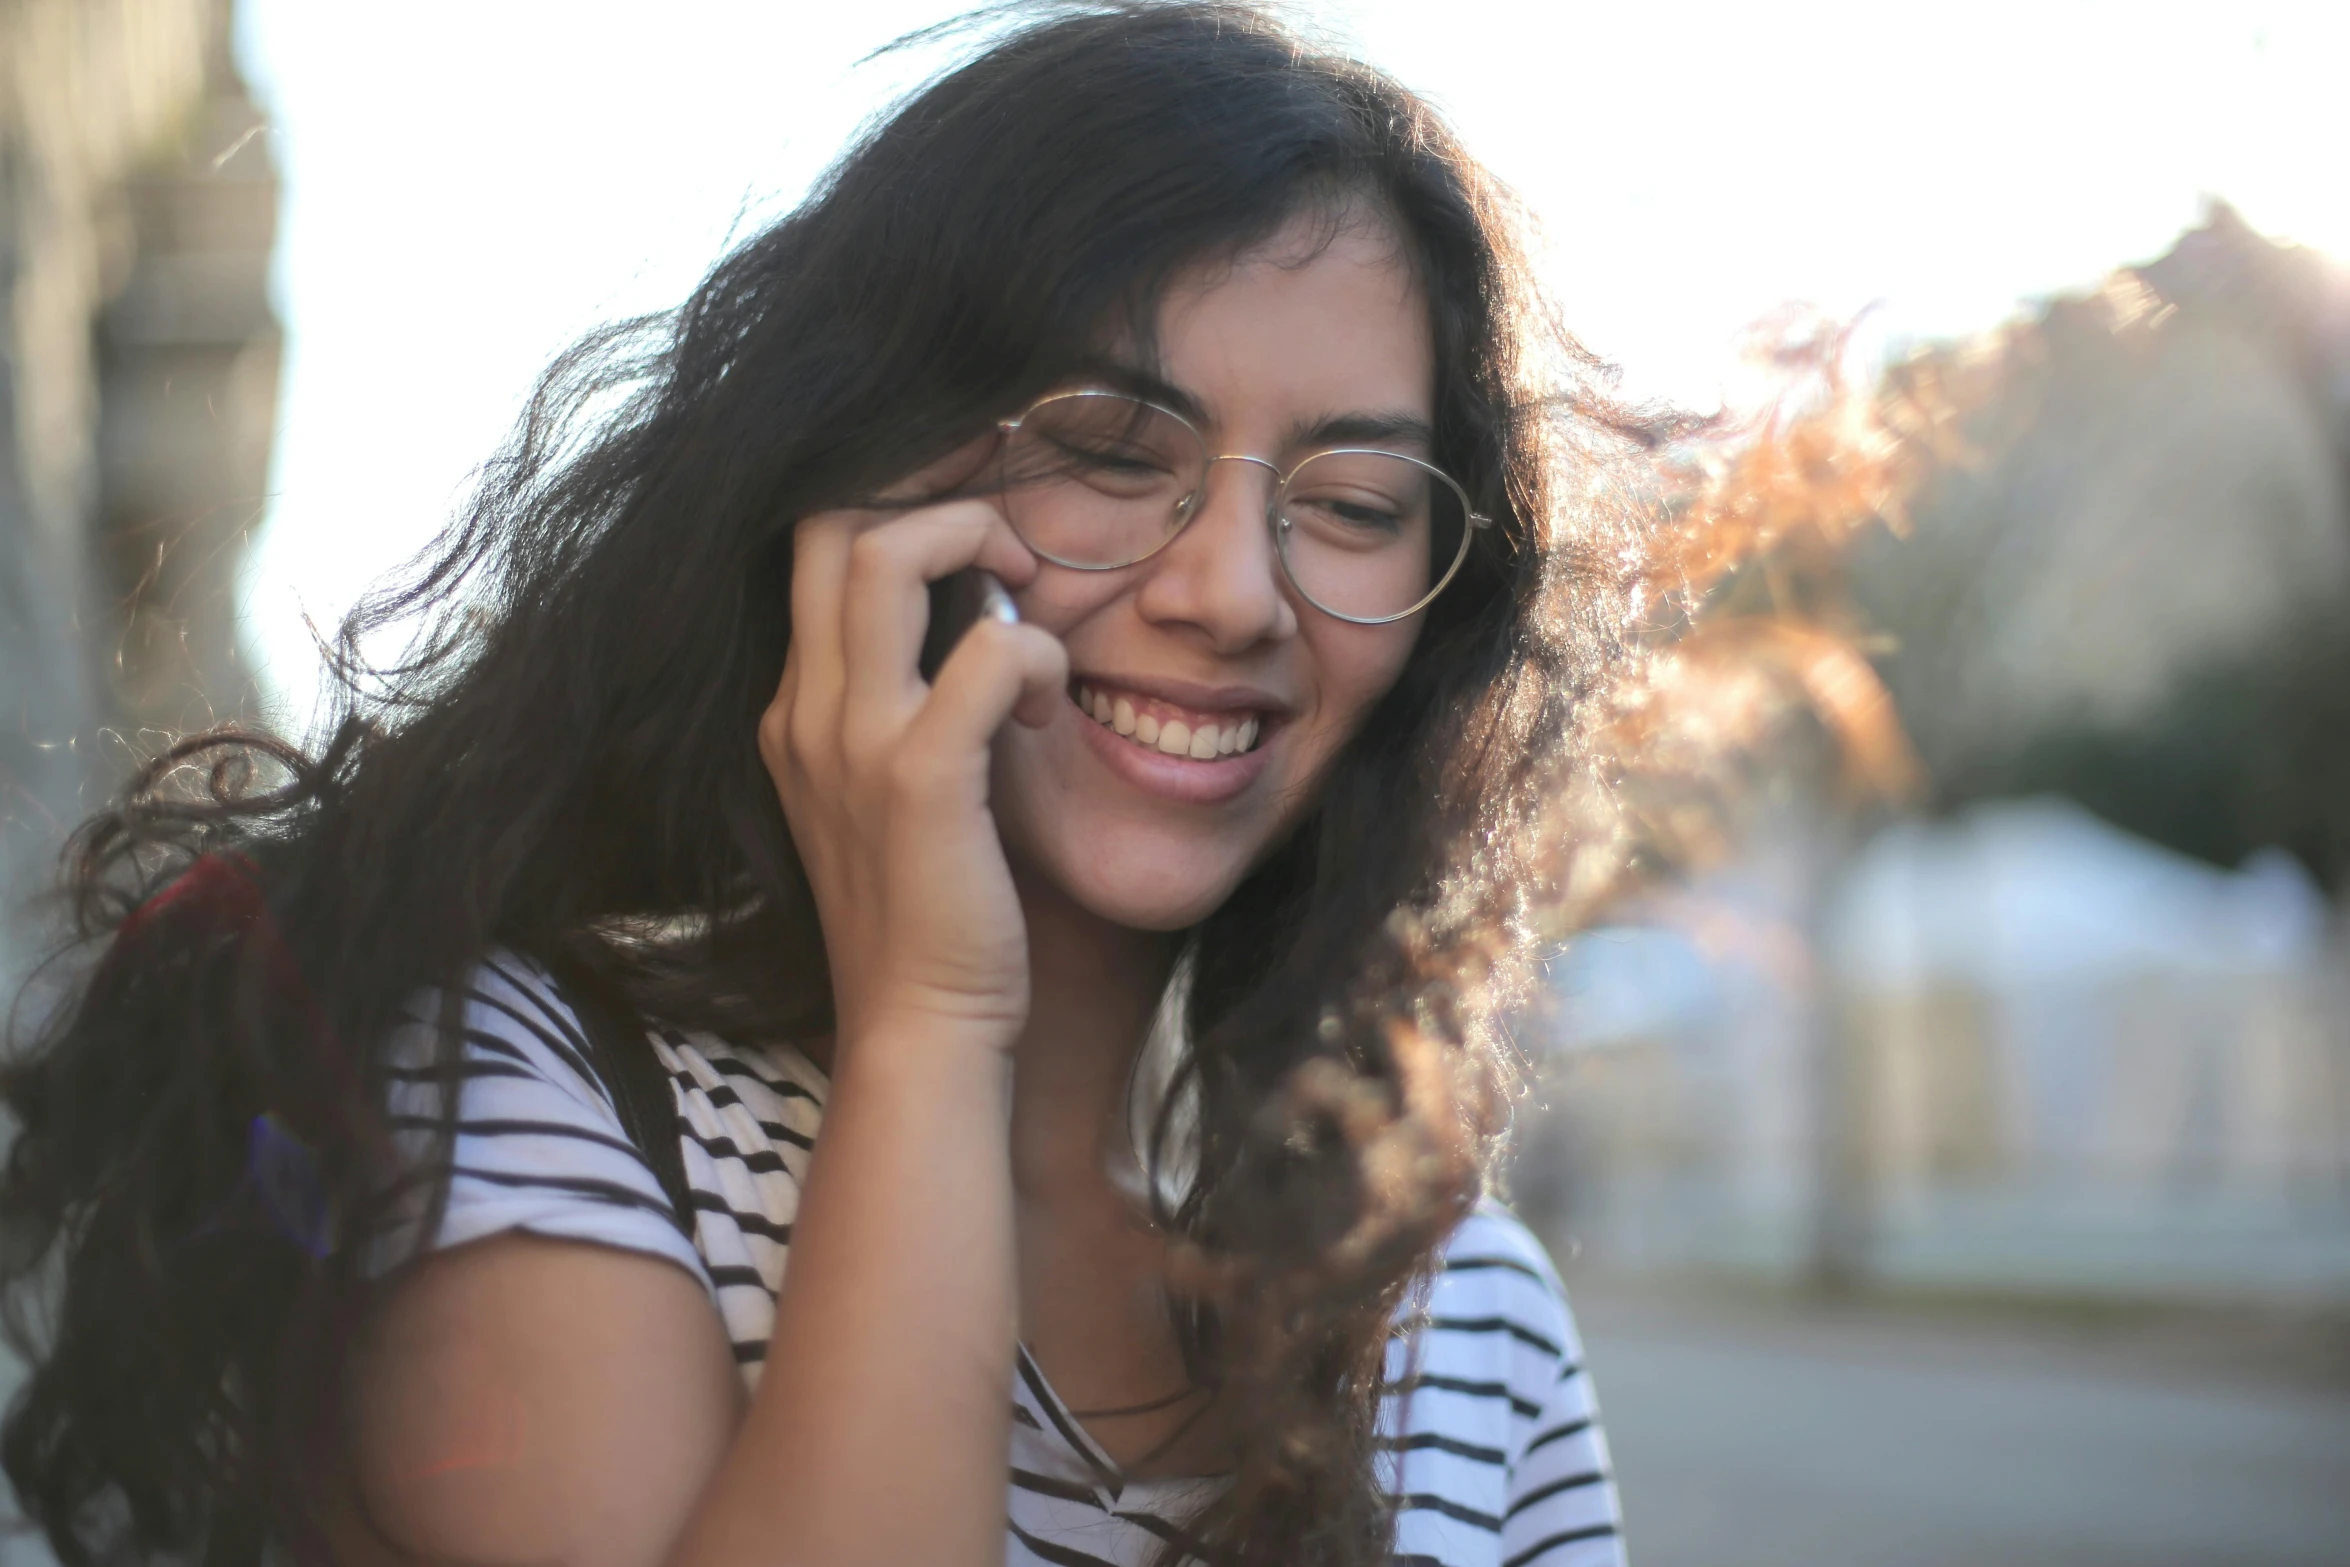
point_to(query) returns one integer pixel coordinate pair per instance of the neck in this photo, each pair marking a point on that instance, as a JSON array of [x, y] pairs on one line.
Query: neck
[[1094, 986]]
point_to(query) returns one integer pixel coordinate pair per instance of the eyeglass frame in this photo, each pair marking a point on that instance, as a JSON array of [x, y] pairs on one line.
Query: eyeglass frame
[[1275, 518]]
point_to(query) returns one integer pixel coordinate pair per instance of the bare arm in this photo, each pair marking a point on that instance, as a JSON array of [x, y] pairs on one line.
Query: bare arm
[[880, 1429], [524, 1400]]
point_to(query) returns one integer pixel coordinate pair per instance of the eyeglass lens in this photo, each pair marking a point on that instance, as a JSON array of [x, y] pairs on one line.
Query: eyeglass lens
[[1100, 480]]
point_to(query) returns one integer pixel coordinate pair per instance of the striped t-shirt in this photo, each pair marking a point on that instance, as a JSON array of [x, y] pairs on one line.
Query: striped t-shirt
[[1490, 1438]]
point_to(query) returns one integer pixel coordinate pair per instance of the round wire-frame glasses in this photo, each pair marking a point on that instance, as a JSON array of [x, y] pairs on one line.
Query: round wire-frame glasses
[[1347, 522]]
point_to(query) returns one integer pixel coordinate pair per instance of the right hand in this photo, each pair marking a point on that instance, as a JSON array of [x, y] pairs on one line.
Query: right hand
[[884, 778]]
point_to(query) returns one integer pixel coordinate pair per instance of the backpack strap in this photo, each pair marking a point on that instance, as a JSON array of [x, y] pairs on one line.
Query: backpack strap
[[640, 1087]]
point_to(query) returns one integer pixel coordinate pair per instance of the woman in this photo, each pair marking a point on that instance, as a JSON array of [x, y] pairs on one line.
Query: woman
[[1211, 350]]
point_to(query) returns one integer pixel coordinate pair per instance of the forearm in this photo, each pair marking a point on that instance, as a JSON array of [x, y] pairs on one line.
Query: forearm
[[880, 1430], [880, 1436]]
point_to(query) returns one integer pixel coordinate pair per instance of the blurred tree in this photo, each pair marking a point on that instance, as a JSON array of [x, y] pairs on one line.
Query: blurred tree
[[2133, 587]]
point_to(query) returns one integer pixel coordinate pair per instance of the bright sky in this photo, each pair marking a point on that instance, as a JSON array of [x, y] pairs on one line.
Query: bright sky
[[472, 183]]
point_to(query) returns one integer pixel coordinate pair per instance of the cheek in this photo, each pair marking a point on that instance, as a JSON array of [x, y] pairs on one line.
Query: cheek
[[1354, 667], [1060, 599]]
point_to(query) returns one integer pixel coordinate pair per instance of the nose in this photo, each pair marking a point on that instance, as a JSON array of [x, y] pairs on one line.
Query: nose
[[1221, 575]]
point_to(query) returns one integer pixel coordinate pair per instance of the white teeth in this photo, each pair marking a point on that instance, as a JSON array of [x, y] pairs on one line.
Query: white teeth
[[1172, 736]]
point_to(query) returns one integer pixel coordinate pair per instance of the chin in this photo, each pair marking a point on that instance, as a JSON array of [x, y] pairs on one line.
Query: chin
[[1142, 882], [1109, 849]]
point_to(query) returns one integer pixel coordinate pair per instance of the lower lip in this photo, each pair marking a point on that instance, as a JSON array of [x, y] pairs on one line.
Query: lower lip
[[1178, 778]]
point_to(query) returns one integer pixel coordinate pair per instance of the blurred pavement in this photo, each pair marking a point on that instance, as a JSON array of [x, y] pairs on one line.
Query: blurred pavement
[[1762, 1430]]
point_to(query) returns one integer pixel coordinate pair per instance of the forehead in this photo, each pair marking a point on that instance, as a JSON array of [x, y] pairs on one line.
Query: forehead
[[1328, 316]]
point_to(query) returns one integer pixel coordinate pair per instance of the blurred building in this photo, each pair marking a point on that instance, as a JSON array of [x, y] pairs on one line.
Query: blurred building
[[138, 383], [2027, 1051]]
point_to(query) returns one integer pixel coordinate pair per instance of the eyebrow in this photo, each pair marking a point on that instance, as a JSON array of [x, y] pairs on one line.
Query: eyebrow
[[1363, 429], [1360, 427], [1120, 375]]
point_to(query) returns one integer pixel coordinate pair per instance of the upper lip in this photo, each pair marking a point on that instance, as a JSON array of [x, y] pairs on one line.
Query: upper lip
[[1193, 694]]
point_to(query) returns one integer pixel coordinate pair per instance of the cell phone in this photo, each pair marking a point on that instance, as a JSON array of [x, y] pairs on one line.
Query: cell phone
[[957, 602]]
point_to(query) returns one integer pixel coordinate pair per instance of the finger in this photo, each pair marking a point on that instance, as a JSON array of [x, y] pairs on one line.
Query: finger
[[820, 564], [819, 607], [885, 607], [775, 722], [994, 670]]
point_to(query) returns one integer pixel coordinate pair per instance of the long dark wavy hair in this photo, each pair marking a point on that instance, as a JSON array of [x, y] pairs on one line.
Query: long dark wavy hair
[[564, 762]]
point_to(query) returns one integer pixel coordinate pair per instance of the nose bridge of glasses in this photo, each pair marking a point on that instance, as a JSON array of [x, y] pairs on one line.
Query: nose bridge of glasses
[[1209, 467]]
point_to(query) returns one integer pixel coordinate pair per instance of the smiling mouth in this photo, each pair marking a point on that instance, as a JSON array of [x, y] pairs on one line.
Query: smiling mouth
[[1161, 726]]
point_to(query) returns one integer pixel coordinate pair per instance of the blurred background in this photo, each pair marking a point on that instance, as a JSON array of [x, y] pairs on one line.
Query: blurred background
[[1962, 1182]]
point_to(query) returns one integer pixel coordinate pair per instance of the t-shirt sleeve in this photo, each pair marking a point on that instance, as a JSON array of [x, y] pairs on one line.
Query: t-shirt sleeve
[[539, 1147], [1563, 1509], [1499, 1451]]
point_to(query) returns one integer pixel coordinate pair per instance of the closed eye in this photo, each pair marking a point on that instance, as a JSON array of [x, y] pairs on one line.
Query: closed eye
[[1130, 461], [1354, 514], [1360, 515]]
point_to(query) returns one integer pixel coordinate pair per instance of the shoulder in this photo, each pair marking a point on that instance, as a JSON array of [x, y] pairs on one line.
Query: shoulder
[[1498, 1454], [1562, 1508], [1482, 1352], [1495, 1274], [1492, 1239], [530, 1138], [511, 1024]]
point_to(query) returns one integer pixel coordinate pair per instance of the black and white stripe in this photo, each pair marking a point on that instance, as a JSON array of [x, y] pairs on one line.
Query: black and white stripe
[[1491, 1443]]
